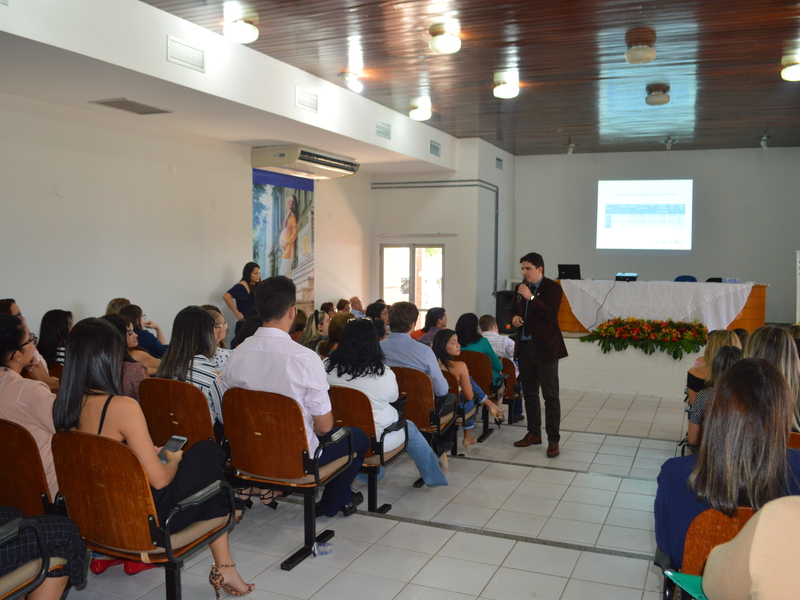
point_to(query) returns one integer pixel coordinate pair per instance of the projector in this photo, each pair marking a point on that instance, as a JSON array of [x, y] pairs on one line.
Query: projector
[[626, 276]]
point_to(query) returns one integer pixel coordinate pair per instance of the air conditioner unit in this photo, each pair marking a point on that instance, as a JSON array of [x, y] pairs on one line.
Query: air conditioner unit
[[301, 162]]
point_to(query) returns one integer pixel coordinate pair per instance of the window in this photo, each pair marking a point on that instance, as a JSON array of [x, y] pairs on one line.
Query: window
[[413, 273]]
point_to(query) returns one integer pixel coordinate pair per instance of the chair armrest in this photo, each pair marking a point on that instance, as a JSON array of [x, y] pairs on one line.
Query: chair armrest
[[10, 531], [399, 425], [326, 442], [161, 535], [662, 561]]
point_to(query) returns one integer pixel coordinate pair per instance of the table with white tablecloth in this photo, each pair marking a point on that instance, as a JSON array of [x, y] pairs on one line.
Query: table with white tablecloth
[[715, 305]]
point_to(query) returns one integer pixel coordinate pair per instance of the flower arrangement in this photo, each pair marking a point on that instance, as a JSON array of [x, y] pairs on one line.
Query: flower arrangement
[[672, 337]]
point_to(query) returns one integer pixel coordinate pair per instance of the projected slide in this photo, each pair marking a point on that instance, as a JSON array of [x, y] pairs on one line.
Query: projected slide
[[644, 215]]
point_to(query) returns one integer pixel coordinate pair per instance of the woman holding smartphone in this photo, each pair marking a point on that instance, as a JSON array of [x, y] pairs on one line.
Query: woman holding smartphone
[[89, 402]]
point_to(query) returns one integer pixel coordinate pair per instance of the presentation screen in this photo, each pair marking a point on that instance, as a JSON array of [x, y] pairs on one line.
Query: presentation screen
[[644, 215]]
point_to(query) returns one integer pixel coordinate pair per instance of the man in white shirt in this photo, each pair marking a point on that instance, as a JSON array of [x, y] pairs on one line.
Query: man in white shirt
[[503, 346], [271, 361]]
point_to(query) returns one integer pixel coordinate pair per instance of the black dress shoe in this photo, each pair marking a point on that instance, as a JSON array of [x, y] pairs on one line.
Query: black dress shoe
[[517, 419], [352, 506], [528, 440]]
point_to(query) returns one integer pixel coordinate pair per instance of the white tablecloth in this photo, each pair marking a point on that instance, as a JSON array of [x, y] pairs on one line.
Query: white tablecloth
[[713, 304]]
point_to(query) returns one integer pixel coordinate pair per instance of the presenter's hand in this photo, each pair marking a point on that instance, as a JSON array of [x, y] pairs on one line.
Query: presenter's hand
[[517, 321], [524, 291]]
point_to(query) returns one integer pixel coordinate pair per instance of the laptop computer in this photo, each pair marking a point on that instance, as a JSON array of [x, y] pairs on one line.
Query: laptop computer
[[569, 271]]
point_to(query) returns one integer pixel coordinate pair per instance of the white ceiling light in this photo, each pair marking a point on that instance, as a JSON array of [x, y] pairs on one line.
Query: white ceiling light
[[506, 84], [352, 81], [640, 54], [444, 37], [240, 32], [791, 69], [420, 109], [657, 94]]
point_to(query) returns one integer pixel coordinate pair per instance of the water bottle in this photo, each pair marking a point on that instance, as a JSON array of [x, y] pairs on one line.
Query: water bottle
[[321, 548]]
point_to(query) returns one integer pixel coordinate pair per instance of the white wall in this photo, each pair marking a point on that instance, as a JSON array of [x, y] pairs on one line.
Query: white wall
[[94, 208], [746, 215]]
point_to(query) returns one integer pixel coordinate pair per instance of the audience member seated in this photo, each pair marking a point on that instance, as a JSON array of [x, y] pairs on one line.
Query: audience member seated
[[240, 298], [316, 329], [37, 369], [775, 345], [343, 305], [402, 351], [270, 361], [742, 334], [63, 541], [357, 363], [761, 561], [299, 325], [132, 341], [378, 310], [502, 345], [53, 334], [380, 329], [88, 402], [189, 358], [724, 358], [329, 308], [154, 345], [222, 352], [357, 307], [435, 319], [335, 329], [115, 304], [697, 375], [743, 458], [133, 372], [446, 348], [27, 402], [250, 326], [470, 338], [794, 331]]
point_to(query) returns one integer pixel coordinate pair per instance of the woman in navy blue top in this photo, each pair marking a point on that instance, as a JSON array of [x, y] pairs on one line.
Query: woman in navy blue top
[[154, 345], [241, 297], [743, 458]]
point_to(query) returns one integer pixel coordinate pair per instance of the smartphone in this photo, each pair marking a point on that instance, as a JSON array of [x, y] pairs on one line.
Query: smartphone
[[175, 443]]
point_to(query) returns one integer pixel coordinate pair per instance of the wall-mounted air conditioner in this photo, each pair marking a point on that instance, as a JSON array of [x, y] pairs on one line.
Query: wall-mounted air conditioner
[[301, 162]]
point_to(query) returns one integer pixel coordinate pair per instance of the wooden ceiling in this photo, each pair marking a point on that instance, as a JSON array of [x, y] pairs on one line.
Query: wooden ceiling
[[721, 60]]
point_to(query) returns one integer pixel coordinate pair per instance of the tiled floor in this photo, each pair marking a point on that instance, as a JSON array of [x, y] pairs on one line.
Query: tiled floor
[[511, 524]]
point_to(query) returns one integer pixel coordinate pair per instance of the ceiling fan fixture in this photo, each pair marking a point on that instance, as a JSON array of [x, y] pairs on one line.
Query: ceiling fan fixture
[[657, 94]]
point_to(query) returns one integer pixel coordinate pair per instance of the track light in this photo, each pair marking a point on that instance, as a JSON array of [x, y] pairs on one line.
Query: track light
[[669, 142], [570, 148], [444, 37], [506, 84], [420, 109], [352, 81], [240, 32], [763, 140]]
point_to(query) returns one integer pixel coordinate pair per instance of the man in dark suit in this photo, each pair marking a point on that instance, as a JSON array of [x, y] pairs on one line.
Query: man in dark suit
[[534, 312]]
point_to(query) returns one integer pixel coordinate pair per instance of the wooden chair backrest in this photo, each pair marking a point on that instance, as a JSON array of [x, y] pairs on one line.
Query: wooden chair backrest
[[56, 369], [452, 382], [708, 530], [22, 478], [480, 368], [352, 408], [106, 490], [794, 440], [267, 433], [175, 408], [511, 371], [418, 388]]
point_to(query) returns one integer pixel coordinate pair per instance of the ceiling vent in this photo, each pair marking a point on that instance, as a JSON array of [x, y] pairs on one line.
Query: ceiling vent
[[131, 106], [301, 162], [498, 163], [436, 148], [383, 130], [181, 53], [307, 100]]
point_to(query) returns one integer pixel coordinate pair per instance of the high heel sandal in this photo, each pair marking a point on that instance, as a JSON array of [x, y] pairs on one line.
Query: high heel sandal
[[268, 497], [497, 413], [217, 581], [468, 441]]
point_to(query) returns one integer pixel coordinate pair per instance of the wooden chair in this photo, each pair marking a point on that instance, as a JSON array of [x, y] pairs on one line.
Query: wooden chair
[[24, 579], [23, 483], [794, 440], [175, 408], [107, 494], [480, 369], [421, 406], [352, 408], [269, 447], [56, 369], [511, 395], [463, 415]]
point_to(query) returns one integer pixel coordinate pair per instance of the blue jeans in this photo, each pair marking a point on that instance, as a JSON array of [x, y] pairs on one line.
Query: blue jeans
[[477, 396]]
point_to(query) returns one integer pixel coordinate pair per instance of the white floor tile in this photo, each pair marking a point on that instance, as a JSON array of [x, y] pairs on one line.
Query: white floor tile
[[581, 590], [389, 563], [502, 485], [455, 575], [550, 560], [589, 496], [530, 505], [596, 482], [510, 471], [518, 523], [412, 507], [634, 502], [571, 531], [554, 491], [363, 528], [613, 440], [613, 459], [549, 476], [613, 570], [357, 586], [609, 469], [645, 473], [511, 584], [477, 548], [269, 539], [303, 581], [624, 538], [410, 536], [636, 519], [635, 486], [463, 514], [483, 498], [581, 512], [419, 592]]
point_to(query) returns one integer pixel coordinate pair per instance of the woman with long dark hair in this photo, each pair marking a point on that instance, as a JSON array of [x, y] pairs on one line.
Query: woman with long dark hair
[[132, 343], [724, 358], [357, 363], [154, 345], [53, 334], [89, 401], [470, 338], [447, 348], [241, 297], [133, 372], [743, 458]]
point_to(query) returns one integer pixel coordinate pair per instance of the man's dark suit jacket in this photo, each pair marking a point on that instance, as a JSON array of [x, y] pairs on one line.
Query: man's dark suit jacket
[[541, 322]]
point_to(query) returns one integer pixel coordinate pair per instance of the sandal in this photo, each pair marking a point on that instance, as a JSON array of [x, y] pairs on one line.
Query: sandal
[[469, 441], [268, 498], [217, 581], [497, 413]]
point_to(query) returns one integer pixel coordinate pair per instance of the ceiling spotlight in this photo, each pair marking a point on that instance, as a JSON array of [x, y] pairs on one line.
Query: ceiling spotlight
[[444, 37], [506, 84], [240, 32], [640, 54], [669, 142], [570, 148], [763, 140], [657, 94], [791, 69], [352, 81], [420, 109]]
